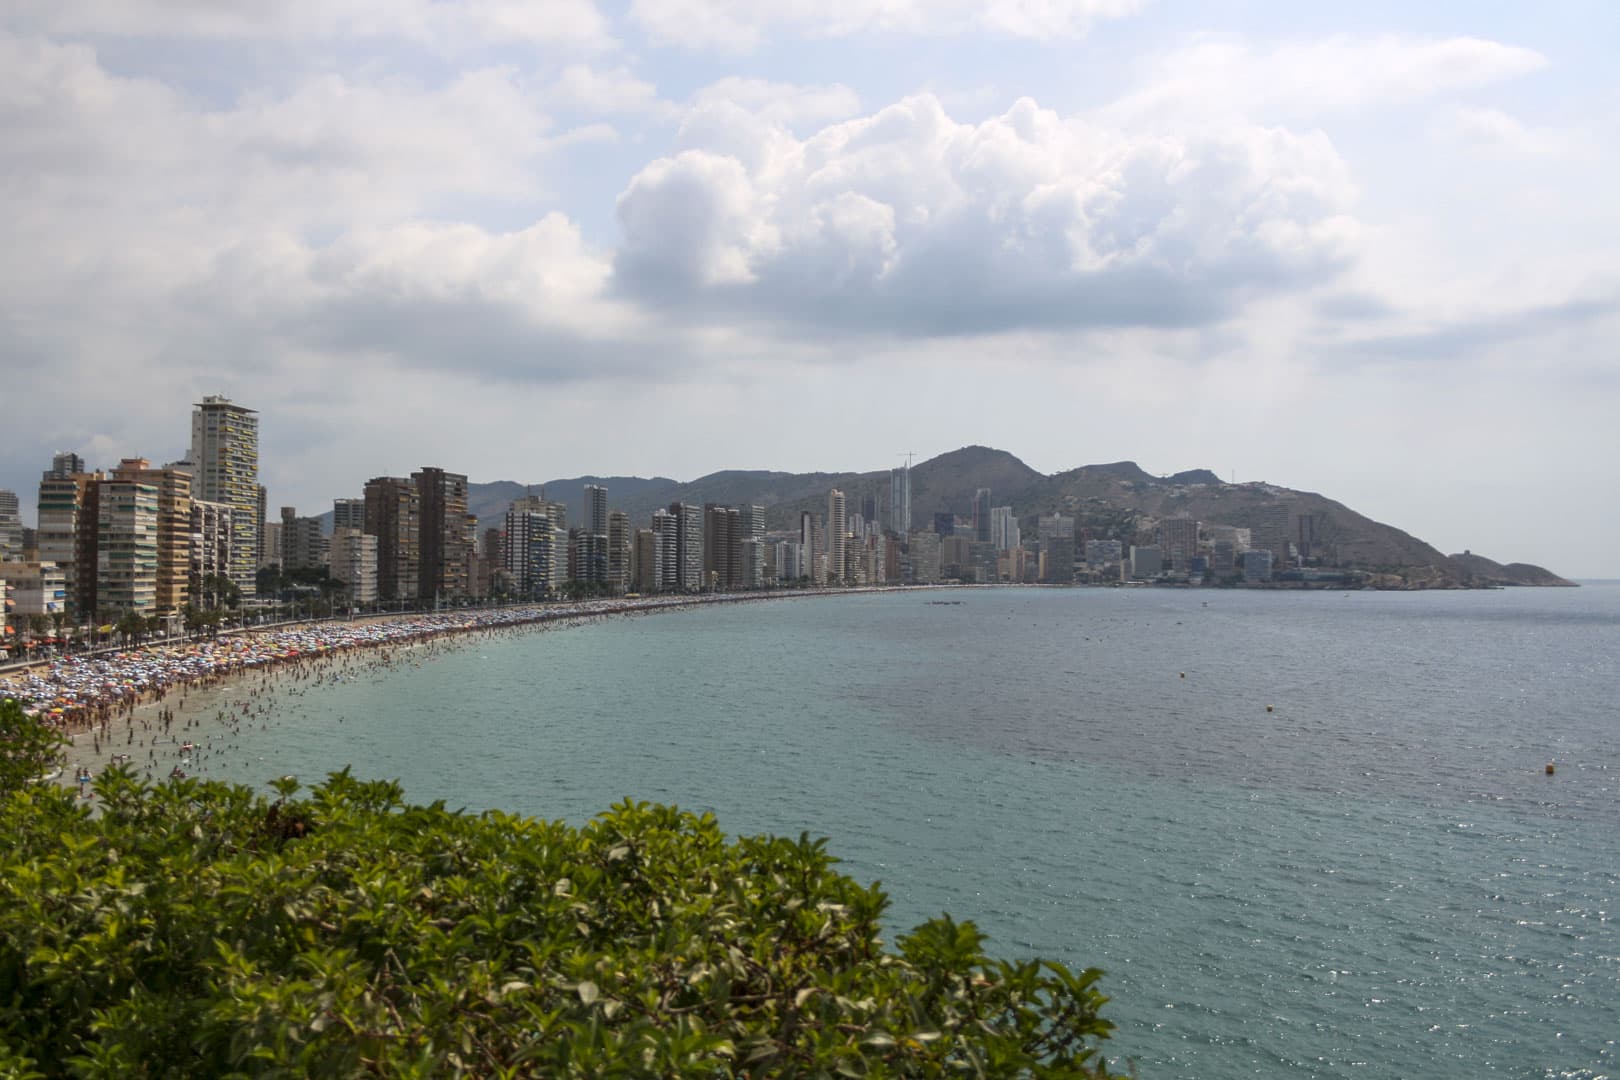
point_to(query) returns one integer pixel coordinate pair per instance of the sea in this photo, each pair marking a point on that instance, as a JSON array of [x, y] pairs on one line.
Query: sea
[[1303, 833]]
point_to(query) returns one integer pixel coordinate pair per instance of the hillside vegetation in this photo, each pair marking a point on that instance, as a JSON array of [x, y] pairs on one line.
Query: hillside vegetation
[[199, 929]]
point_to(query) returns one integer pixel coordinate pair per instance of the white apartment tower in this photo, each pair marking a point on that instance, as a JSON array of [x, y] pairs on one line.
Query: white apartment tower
[[900, 500], [225, 454], [836, 540]]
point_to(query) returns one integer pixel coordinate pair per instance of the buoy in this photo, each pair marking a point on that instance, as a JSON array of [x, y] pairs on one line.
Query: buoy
[[1549, 768], [1268, 708]]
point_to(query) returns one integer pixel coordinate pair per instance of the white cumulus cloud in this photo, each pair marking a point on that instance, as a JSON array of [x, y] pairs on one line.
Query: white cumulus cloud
[[913, 222], [742, 24]]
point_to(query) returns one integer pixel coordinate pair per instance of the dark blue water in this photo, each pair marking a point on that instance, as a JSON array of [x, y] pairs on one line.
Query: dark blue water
[[1375, 878]]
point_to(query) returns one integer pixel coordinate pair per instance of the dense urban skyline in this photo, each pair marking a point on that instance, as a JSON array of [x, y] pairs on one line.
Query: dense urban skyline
[[1365, 252]]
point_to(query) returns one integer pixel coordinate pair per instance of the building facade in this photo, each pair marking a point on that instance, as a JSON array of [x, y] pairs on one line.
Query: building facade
[[225, 457], [353, 561], [394, 517], [442, 549]]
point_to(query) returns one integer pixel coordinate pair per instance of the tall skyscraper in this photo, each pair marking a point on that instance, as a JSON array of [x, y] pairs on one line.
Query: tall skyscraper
[[900, 500], [666, 531], [619, 550], [225, 454], [442, 570], [981, 515], [1004, 531], [688, 545], [596, 509], [837, 526], [394, 517], [719, 546]]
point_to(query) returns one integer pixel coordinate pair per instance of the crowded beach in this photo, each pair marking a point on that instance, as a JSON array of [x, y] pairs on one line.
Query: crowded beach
[[79, 694]]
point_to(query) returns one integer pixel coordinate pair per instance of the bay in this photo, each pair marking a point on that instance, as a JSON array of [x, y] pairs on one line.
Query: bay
[[1374, 878]]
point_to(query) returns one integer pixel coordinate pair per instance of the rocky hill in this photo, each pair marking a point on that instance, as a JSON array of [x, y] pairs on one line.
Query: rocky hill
[[1479, 570], [1119, 500]]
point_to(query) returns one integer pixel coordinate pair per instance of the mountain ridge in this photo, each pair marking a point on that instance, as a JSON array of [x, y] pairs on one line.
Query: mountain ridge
[[1113, 500]]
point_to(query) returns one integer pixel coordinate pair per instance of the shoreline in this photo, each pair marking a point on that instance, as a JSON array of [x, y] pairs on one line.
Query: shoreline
[[129, 704]]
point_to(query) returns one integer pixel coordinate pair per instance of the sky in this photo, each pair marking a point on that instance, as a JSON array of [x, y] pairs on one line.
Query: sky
[[1370, 250]]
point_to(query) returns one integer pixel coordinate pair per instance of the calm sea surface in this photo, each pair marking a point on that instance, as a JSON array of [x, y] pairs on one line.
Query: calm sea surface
[[1376, 879]]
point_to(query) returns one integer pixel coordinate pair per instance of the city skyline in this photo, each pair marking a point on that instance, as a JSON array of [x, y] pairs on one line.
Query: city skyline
[[1366, 252]]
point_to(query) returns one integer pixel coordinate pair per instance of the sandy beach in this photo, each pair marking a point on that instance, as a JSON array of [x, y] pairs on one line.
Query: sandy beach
[[168, 710]]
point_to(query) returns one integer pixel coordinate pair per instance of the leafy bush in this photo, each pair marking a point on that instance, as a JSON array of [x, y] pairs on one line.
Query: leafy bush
[[199, 929]]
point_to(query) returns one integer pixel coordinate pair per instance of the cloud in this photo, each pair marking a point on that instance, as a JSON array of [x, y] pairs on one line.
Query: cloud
[[1311, 78], [782, 104], [572, 23], [1568, 328], [1493, 129], [586, 89], [908, 221], [742, 24]]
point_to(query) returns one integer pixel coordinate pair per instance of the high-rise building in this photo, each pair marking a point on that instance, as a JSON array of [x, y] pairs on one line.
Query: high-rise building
[[64, 464], [173, 483], [719, 546], [981, 515], [353, 561], [68, 533], [1004, 531], [536, 557], [210, 550], [648, 564], [666, 529], [1305, 535], [225, 455], [923, 556], [837, 539], [807, 545], [394, 517], [869, 508], [688, 545], [61, 509], [900, 500], [127, 543], [1179, 540], [349, 514], [264, 547], [11, 526], [619, 551], [442, 568], [303, 543], [596, 509], [1272, 531]]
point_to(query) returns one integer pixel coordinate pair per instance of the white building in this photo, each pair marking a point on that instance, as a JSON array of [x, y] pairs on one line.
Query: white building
[[37, 588], [354, 562], [225, 456]]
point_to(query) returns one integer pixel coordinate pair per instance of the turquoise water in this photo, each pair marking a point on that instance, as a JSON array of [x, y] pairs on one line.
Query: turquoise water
[[1376, 878]]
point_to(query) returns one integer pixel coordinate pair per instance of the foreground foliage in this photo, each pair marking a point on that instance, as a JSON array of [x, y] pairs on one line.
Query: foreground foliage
[[199, 929], [28, 749]]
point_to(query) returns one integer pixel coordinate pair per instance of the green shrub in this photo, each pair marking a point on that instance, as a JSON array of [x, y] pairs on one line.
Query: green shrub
[[199, 929]]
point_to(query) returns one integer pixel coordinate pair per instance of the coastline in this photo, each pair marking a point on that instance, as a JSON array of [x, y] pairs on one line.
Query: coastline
[[147, 704]]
